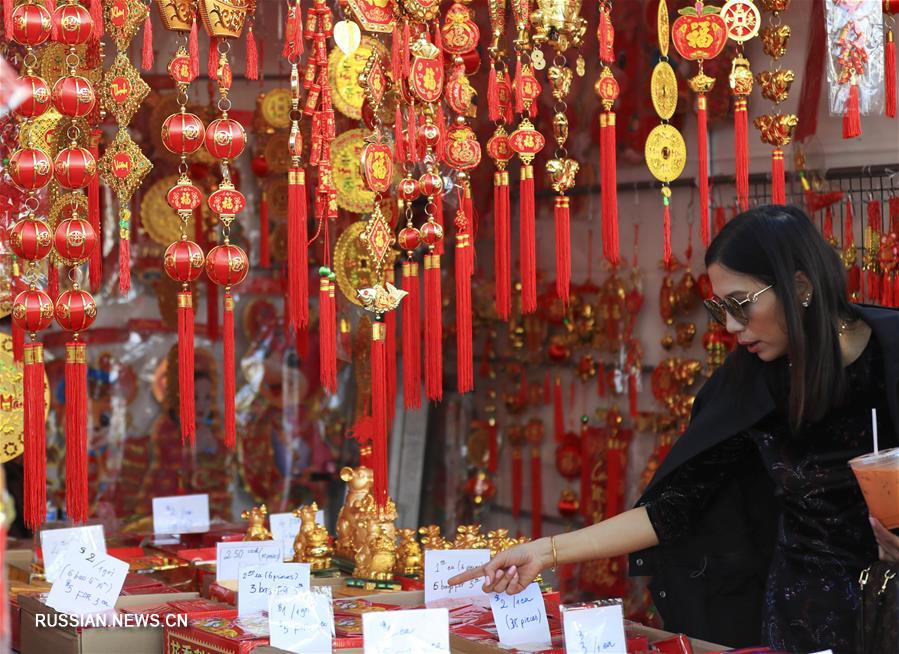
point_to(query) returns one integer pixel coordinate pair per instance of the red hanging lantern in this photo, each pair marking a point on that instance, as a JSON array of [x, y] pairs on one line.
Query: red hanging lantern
[[31, 24], [73, 96], [184, 261], [430, 184], [227, 264], [74, 167], [409, 238], [73, 24], [32, 310], [75, 310], [75, 240], [225, 138], [30, 169], [37, 96], [431, 233], [408, 189], [184, 196], [183, 133], [30, 239]]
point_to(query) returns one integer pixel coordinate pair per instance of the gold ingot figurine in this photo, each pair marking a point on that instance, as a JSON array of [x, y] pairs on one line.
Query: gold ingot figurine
[[776, 84], [740, 76], [177, 15], [225, 18], [469, 537], [431, 538], [256, 530]]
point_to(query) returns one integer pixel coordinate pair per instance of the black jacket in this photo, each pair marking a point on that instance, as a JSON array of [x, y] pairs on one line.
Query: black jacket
[[710, 584]]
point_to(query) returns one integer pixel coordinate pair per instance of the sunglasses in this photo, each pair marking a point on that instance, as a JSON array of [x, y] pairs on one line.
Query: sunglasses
[[718, 309]]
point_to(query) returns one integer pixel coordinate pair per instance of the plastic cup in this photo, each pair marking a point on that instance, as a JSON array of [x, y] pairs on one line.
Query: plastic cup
[[878, 477]]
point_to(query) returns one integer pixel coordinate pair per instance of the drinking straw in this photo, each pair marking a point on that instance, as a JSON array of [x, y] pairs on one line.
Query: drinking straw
[[874, 425]]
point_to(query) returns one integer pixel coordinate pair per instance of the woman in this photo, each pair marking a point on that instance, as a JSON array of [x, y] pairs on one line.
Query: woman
[[780, 419]]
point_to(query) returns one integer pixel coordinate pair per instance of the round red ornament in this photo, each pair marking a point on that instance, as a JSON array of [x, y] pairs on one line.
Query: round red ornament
[[409, 238], [225, 138], [75, 310], [429, 135], [74, 167], [183, 133], [431, 233], [183, 261], [480, 488], [30, 239], [227, 265], [31, 24], [430, 184], [407, 189], [30, 168], [73, 23], [568, 505], [259, 166], [73, 96], [37, 96], [75, 240], [32, 310], [568, 456]]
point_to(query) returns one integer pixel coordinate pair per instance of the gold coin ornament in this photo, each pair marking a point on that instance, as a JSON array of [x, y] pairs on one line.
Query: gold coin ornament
[[346, 153], [663, 90], [666, 153], [275, 107], [12, 420], [353, 263], [663, 27], [277, 153], [276, 193], [158, 219], [343, 75]]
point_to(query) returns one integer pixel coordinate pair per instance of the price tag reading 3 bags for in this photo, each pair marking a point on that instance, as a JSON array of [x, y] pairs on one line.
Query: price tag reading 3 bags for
[[521, 619], [229, 557], [419, 631], [594, 628], [256, 583], [440, 565]]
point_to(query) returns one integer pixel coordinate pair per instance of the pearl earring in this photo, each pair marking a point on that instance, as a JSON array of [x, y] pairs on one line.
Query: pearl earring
[[807, 301]]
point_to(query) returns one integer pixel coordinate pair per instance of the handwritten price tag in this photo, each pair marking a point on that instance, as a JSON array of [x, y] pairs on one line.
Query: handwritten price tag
[[594, 628], [229, 557], [302, 623], [56, 542], [87, 582], [181, 514], [440, 565], [521, 619], [256, 583], [421, 631]]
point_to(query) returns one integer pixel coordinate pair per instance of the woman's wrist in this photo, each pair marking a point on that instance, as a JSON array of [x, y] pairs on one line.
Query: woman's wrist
[[548, 553]]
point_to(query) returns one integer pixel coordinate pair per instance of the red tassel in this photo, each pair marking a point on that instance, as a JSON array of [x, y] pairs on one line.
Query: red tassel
[[609, 186], [528, 243], [558, 411], [124, 261], [517, 484], [440, 119], [828, 226], [894, 213], [433, 329], [502, 244], [252, 56], [852, 123], [614, 481], [563, 248], [519, 87], [212, 63], [146, 59], [889, 71], [379, 410], [464, 351], [703, 138], [547, 390], [411, 337], [35, 437], [8, 7], [849, 226], [298, 47], [265, 259], [399, 152], [93, 210], [586, 508], [328, 332], [719, 218], [54, 26], [494, 112], [186, 366], [76, 432], [396, 53], [407, 61], [886, 290], [437, 212], [492, 446], [297, 250], [536, 494], [230, 387], [390, 325], [778, 180], [741, 150], [96, 11], [193, 48], [52, 279], [411, 141], [601, 380], [666, 226], [632, 394]]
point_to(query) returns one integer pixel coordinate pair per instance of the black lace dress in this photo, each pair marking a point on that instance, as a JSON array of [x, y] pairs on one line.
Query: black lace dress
[[824, 539]]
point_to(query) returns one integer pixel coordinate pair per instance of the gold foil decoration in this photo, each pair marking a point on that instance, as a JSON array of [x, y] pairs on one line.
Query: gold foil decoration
[[123, 90], [225, 18], [123, 166], [559, 23], [123, 19], [177, 15], [774, 40], [12, 402], [777, 129], [775, 84], [409, 556], [344, 70]]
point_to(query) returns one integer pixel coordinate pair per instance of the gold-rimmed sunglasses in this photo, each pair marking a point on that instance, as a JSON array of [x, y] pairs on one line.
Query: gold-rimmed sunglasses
[[718, 309]]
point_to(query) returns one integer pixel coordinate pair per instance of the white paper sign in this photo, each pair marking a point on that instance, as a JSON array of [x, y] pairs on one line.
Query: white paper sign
[[229, 557], [302, 623], [594, 629], [256, 583], [521, 619], [420, 631], [55, 542], [87, 582], [181, 514], [440, 565]]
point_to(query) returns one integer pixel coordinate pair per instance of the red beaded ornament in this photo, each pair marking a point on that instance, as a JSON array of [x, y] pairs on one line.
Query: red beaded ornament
[[227, 264], [183, 261], [32, 310], [37, 96], [183, 133], [75, 310], [74, 167], [73, 23], [30, 168], [73, 96], [225, 138], [31, 240], [31, 24], [75, 240]]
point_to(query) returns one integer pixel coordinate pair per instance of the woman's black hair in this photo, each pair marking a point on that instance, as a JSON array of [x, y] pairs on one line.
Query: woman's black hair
[[772, 243]]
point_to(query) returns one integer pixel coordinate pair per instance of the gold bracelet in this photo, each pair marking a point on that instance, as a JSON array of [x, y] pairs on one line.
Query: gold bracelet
[[552, 543]]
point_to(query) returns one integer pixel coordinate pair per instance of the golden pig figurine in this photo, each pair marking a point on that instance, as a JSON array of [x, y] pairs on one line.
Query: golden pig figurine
[[409, 558], [256, 529], [359, 481], [317, 550], [375, 539]]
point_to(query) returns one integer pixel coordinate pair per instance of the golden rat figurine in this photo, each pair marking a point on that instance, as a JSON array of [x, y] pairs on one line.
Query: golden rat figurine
[[317, 550], [409, 557], [306, 514], [374, 539], [359, 483], [256, 530]]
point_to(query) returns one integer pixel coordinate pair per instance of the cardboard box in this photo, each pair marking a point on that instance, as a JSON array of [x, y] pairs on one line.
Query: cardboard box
[[19, 565], [99, 640], [213, 635]]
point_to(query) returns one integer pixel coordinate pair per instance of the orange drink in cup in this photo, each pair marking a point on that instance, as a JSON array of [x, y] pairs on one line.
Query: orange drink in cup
[[878, 477]]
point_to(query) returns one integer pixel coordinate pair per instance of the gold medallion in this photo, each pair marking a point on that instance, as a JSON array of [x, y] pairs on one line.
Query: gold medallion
[[346, 153], [353, 262], [158, 219], [666, 153], [12, 421], [663, 28], [343, 75], [663, 89], [277, 152], [275, 108], [276, 194]]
